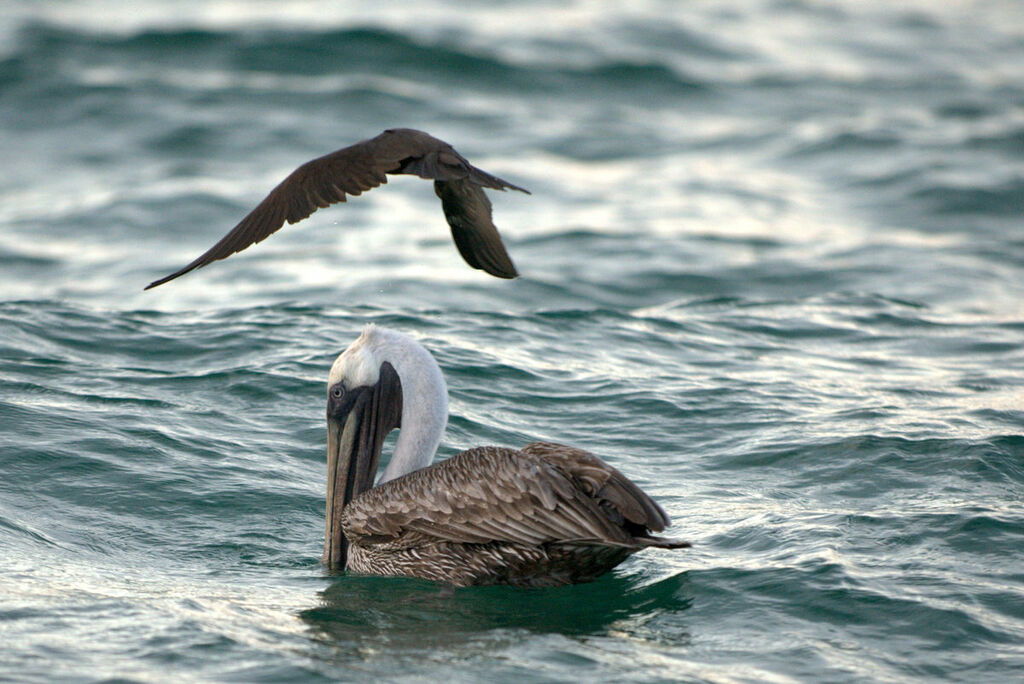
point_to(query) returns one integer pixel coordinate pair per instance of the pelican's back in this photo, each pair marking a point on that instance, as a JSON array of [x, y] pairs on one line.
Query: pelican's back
[[541, 516]]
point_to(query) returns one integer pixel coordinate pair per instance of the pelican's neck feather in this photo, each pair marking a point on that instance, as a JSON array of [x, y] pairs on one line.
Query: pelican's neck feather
[[424, 394]]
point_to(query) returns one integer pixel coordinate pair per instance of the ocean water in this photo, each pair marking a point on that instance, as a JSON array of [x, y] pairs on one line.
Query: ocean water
[[772, 269]]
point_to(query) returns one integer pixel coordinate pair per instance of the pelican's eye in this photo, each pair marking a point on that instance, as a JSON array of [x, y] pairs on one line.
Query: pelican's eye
[[337, 392]]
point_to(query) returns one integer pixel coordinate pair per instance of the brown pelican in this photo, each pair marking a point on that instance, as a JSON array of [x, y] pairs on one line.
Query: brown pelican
[[363, 166], [543, 515]]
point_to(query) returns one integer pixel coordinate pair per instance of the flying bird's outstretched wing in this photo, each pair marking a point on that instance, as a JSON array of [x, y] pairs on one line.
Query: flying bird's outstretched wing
[[364, 166]]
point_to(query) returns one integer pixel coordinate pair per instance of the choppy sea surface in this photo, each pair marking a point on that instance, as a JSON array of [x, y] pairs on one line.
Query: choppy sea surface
[[772, 269]]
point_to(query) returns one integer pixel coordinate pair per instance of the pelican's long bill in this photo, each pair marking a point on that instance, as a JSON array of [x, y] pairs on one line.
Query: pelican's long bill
[[358, 421]]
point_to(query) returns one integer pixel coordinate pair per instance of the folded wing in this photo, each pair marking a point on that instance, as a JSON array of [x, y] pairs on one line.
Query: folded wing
[[542, 494]]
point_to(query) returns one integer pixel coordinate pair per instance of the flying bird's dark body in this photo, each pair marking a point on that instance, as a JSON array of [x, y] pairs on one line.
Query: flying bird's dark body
[[364, 166]]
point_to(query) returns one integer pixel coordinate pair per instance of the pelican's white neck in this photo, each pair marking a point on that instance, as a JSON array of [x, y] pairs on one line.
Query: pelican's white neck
[[424, 392]]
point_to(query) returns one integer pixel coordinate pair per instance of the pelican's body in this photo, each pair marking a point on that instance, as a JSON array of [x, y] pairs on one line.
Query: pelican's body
[[543, 515], [355, 169]]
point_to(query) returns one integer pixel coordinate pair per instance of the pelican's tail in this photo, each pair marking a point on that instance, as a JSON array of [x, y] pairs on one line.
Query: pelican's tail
[[662, 542]]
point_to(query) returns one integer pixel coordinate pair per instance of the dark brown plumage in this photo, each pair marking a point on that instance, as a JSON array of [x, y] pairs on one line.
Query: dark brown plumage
[[545, 515], [365, 165]]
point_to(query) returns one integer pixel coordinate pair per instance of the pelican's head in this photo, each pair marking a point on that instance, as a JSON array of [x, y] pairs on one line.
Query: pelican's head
[[364, 404]]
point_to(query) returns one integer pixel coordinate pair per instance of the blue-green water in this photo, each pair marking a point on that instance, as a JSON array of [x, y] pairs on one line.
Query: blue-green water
[[773, 269]]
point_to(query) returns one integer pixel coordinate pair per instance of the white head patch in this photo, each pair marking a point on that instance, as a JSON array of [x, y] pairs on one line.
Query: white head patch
[[424, 393], [358, 365]]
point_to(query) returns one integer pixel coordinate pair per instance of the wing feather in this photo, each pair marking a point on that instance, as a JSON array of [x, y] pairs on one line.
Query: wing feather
[[605, 482], [543, 493], [468, 212]]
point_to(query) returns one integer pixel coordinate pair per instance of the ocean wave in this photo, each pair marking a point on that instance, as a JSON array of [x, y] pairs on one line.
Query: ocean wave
[[240, 55], [1004, 199]]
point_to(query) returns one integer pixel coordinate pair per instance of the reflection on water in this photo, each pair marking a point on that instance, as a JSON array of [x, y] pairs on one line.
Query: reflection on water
[[358, 612]]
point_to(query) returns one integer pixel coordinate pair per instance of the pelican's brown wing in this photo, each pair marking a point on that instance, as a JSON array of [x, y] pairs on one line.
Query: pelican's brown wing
[[543, 494], [363, 166]]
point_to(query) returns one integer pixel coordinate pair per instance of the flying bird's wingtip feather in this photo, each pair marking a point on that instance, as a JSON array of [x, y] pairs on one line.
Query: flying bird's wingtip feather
[[163, 280], [509, 273], [484, 250], [168, 278]]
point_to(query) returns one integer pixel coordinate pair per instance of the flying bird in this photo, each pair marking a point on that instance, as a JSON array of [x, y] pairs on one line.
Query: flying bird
[[365, 165], [543, 515]]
